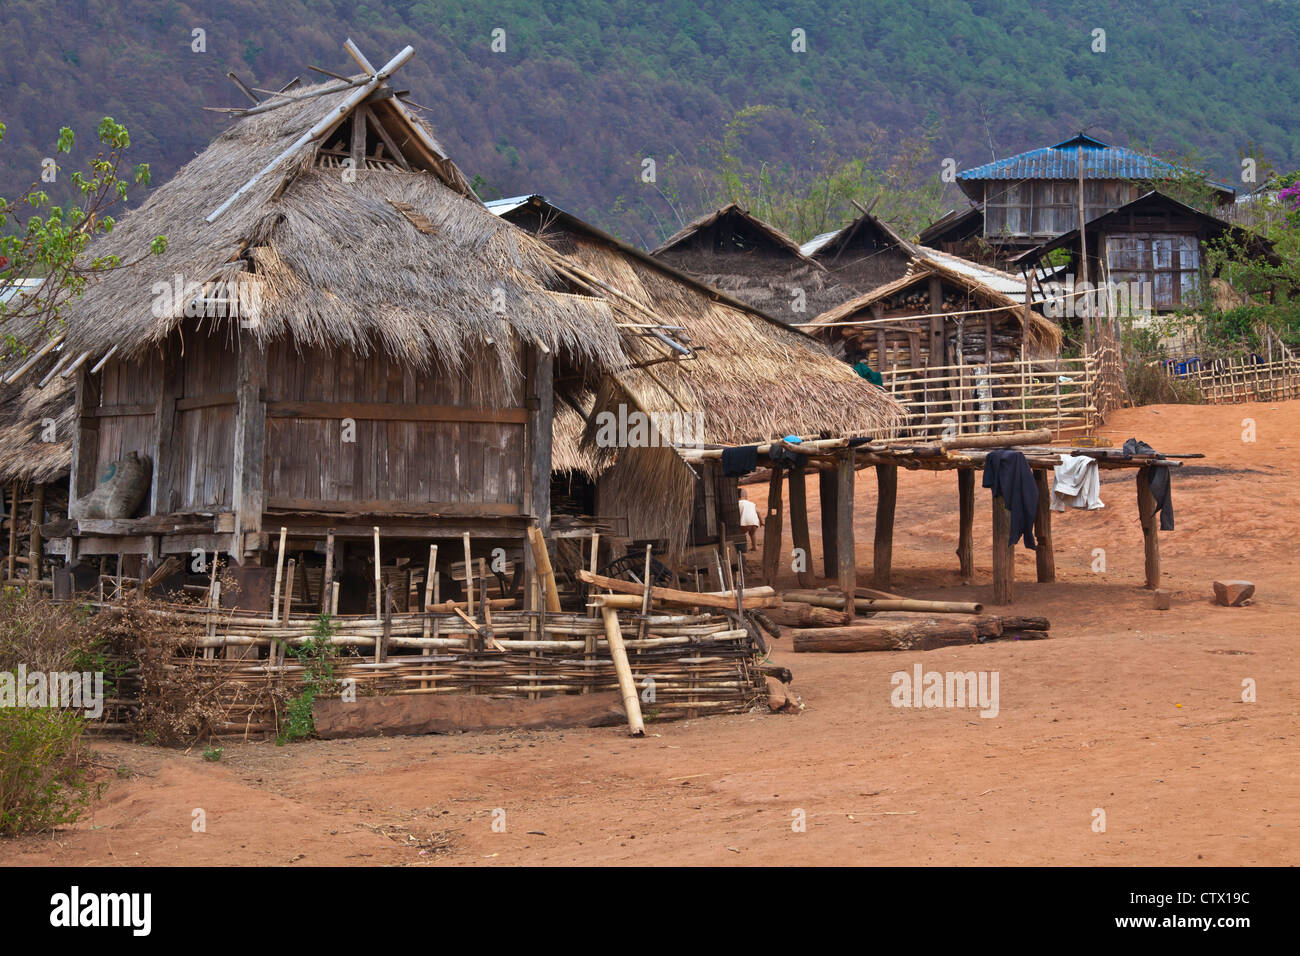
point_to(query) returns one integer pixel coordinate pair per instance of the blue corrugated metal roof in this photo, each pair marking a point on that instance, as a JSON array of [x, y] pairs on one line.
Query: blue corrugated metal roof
[[1100, 161]]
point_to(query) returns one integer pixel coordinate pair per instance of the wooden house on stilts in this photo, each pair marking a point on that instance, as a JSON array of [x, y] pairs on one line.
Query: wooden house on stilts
[[339, 345]]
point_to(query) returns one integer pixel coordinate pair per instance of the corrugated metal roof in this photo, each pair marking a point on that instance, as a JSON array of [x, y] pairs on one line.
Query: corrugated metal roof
[[816, 242], [1100, 161], [502, 206]]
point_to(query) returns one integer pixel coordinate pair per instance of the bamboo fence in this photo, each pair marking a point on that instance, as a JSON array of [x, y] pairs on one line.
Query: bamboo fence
[[1234, 380], [684, 666], [1071, 396]]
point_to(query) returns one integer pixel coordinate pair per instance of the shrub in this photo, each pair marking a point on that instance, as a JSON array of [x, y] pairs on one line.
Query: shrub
[[1147, 384], [44, 779], [317, 656]]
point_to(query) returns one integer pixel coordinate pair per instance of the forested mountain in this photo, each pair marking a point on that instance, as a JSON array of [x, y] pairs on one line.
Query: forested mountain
[[585, 91]]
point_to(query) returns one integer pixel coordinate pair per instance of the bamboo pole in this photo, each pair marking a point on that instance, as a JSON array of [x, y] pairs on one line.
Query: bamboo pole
[[542, 558], [626, 685], [379, 603], [469, 577], [327, 580], [35, 550], [279, 571]]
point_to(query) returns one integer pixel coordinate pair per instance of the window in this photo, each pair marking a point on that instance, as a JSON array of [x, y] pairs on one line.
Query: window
[[1165, 265]]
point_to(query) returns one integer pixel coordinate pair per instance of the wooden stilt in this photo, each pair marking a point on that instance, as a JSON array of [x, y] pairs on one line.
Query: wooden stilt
[[469, 577], [966, 524], [1045, 557], [13, 532], [828, 490], [799, 524], [883, 551], [848, 571], [772, 526], [1004, 564], [35, 551], [1150, 526]]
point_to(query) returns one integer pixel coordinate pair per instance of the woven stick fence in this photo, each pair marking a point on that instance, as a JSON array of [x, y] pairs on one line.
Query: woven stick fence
[[685, 665], [1231, 381], [1071, 396]]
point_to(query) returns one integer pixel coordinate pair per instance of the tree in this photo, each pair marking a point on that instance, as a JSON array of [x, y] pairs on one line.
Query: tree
[[43, 262]]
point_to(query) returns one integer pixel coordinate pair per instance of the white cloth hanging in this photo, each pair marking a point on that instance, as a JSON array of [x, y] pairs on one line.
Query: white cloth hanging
[[1078, 484]]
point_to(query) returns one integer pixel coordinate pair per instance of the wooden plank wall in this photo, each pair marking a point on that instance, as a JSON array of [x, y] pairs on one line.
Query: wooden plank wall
[[132, 386], [205, 437], [416, 461]]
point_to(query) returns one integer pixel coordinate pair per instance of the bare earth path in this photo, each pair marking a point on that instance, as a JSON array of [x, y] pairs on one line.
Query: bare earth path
[[1127, 709]]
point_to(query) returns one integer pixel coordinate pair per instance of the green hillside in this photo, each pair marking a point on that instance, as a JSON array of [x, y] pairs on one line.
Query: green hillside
[[585, 91]]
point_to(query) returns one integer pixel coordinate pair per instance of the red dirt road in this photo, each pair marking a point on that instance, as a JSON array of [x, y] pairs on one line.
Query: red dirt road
[[1127, 710]]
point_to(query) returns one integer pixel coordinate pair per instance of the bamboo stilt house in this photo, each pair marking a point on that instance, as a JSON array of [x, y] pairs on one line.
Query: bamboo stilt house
[[750, 379], [737, 253], [339, 341]]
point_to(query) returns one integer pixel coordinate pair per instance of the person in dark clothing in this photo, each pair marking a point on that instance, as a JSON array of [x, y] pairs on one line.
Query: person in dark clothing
[[1009, 475], [1160, 484]]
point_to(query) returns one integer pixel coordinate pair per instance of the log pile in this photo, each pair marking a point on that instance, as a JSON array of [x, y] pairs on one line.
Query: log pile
[[888, 622]]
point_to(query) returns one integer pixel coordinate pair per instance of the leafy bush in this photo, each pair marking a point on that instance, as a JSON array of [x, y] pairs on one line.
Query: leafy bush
[[317, 656], [44, 780]]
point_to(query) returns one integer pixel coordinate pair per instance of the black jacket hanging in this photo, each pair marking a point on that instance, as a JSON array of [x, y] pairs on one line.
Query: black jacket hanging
[[1161, 488], [1009, 475]]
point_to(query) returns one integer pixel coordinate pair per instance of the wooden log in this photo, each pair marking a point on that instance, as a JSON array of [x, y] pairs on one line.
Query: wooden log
[[799, 534], [626, 685], [1021, 623], [828, 489], [845, 545], [923, 634], [1150, 527], [726, 600], [966, 524], [455, 713], [1038, 436], [882, 604], [1045, 558], [883, 551], [13, 532], [772, 526], [798, 614], [1004, 563]]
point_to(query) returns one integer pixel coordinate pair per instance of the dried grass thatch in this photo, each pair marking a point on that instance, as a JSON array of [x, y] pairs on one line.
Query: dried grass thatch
[[403, 261], [25, 413]]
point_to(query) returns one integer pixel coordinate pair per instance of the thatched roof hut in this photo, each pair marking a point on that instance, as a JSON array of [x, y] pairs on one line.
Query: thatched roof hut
[[338, 336], [35, 430], [737, 253], [905, 323], [751, 378]]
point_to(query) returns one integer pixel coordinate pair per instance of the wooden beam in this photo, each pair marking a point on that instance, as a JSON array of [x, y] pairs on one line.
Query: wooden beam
[[1004, 563], [1045, 557], [772, 526], [799, 523], [250, 444], [370, 506], [13, 532], [541, 420], [357, 153], [1150, 527], [165, 449], [965, 524], [883, 551], [845, 546], [397, 412]]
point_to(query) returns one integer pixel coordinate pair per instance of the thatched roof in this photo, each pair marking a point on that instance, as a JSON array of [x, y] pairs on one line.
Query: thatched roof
[[752, 377], [730, 214], [1043, 335], [407, 261], [25, 411]]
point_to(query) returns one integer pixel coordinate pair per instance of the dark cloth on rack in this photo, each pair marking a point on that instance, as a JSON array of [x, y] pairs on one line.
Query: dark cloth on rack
[[1009, 475], [781, 454], [855, 442], [1160, 484], [740, 460]]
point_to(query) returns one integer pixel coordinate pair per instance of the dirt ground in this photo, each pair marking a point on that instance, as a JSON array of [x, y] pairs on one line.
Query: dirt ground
[[1127, 710]]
